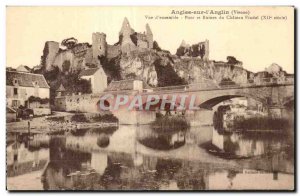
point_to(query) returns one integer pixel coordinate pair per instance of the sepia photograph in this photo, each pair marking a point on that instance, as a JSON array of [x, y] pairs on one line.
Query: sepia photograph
[[150, 98]]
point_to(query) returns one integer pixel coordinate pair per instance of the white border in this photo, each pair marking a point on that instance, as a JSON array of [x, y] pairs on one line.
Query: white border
[[4, 3]]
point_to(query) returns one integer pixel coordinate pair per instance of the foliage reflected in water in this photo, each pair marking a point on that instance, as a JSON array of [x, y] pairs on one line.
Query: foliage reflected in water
[[233, 145], [162, 141], [261, 123], [169, 123]]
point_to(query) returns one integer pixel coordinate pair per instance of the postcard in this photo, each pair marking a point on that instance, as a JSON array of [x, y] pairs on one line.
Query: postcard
[[150, 98]]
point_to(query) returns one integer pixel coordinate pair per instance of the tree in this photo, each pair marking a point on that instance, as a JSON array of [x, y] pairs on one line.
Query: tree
[[166, 75], [232, 60], [202, 51], [156, 46], [66, 66], [69, 42]]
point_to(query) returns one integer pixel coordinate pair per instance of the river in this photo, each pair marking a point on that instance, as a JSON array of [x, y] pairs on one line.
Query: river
[[139, 158]]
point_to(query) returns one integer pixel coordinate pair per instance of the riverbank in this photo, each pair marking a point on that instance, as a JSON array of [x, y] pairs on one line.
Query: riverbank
[[29, 181], [62, 121]]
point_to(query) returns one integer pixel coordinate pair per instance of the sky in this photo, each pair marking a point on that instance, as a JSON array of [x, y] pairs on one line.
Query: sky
[[257, 43]]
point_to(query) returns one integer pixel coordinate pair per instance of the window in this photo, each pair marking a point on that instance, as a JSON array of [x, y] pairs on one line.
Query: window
[[15, 81], [15, 103], [15, 91]]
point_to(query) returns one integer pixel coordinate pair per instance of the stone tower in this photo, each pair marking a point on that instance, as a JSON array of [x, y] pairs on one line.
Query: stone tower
[[126, 43], [50, 51], [99, 45], [126, 30], [149, 36], [206, 55]]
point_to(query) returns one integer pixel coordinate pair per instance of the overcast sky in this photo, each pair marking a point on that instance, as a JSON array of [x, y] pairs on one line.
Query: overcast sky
[[256, 43]]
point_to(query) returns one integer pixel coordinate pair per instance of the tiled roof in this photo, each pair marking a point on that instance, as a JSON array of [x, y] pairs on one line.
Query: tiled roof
[[10, 110], [61, 88], [26, 79], [120, 85], [123, 85], [23, 66], [88, 72]]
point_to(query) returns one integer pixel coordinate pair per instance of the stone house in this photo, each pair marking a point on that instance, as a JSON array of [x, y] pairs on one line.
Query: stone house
[[97, 77], [11, 114], [127, 85], [21, 85]]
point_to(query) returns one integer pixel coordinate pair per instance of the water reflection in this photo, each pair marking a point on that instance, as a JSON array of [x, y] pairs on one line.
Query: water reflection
[[26, 155], [245, 145], [163, 140], [136, 157]]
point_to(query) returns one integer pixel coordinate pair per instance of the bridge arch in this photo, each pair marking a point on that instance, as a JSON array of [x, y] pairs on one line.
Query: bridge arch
[[209, 103]]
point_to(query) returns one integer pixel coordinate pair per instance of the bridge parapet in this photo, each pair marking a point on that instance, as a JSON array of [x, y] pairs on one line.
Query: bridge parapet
[[209, 85]]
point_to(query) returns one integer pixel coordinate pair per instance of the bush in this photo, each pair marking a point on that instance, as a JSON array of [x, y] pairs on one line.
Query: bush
[[38, 99], [57, 118], [170, 123], [79, 118], [105, 118], [103, 140], [263, 123]]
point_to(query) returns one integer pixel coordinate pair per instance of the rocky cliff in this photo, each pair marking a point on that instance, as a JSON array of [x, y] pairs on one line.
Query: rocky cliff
[[160, 68], [194, 70], [154, 67]]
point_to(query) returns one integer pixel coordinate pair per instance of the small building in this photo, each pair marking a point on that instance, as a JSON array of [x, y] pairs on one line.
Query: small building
[[127, 85], [22, 85], [11, 114], [97, 77], [60, 91]]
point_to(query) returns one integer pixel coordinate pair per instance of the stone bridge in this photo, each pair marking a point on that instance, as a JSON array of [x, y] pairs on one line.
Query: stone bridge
[[274, 97]]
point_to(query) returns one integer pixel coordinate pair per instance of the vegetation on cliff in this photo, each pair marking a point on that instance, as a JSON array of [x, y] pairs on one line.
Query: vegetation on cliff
[[111, 67], [166, 75], [70, 80]]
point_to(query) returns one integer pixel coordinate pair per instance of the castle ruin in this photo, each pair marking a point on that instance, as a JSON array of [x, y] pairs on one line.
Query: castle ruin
[[84, 55]]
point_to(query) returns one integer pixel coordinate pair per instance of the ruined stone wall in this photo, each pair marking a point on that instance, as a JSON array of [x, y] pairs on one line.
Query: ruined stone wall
[[77, 58], [80, 103], [127, 45], [113, 51], [63, 56], [149, 36], [200, 49], [80, 50], [50, 51], [89, 56], [142, 44]]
